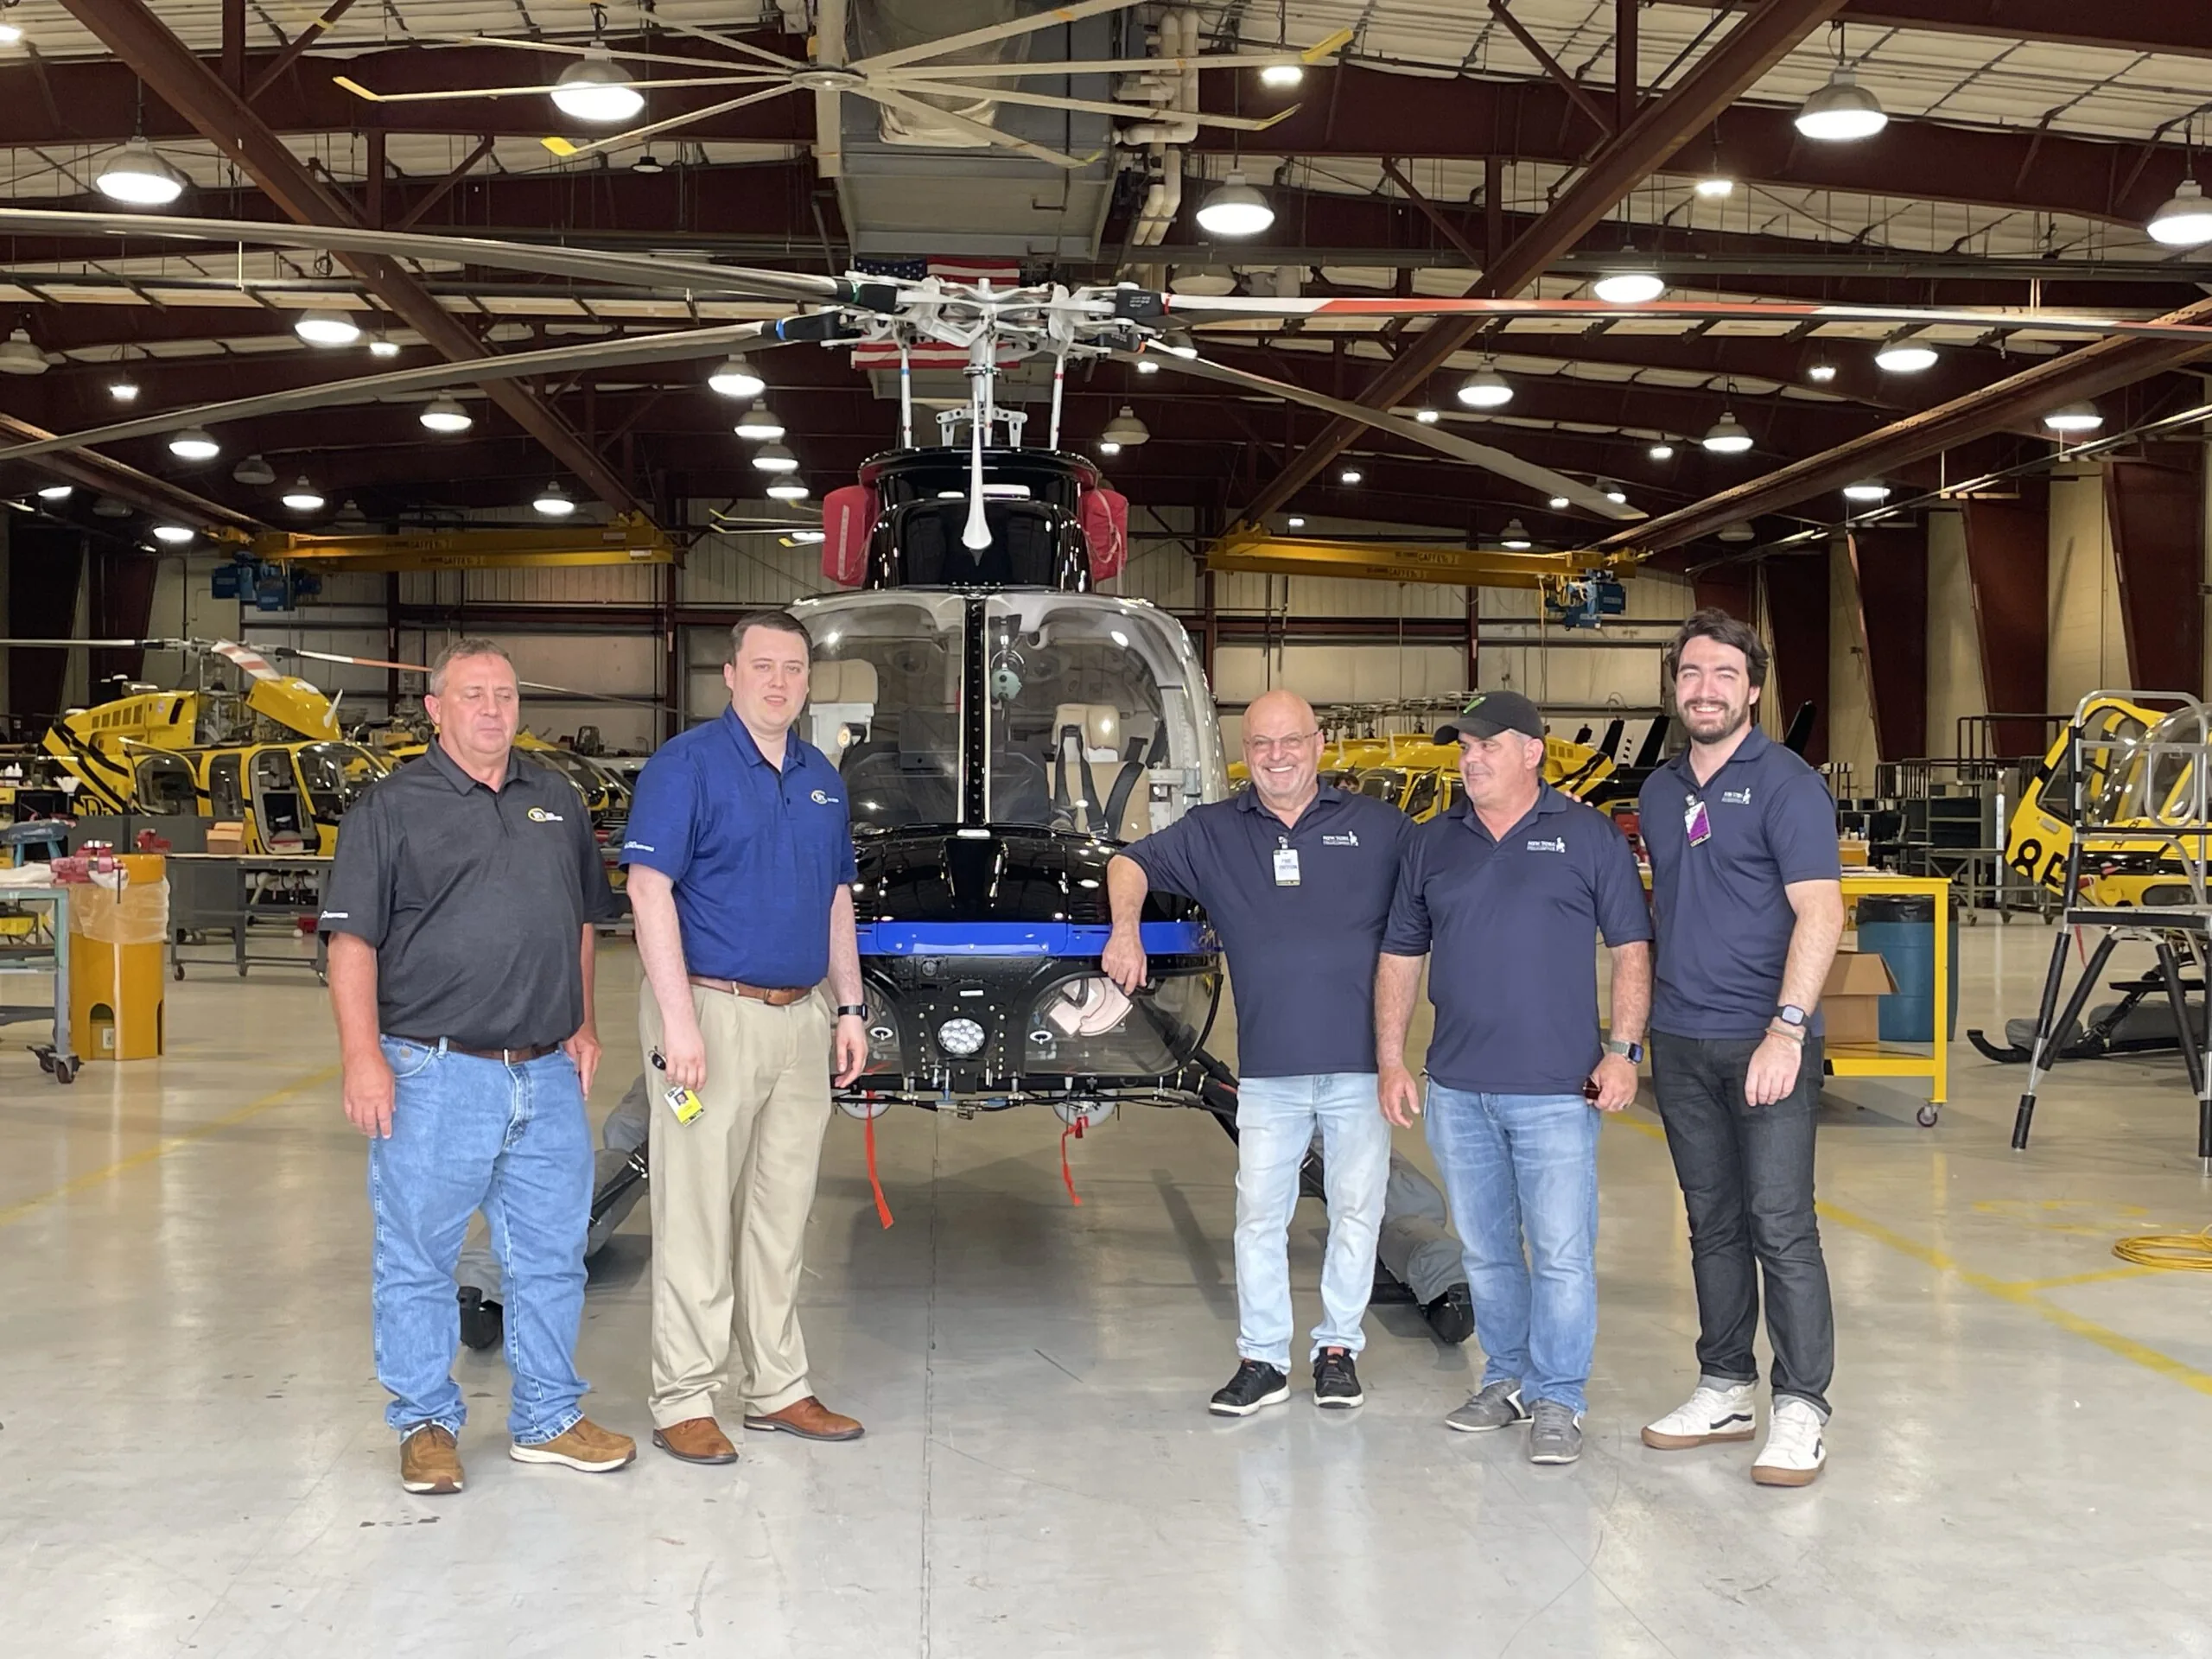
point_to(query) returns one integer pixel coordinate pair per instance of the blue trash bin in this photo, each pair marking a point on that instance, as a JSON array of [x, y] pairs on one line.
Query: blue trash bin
[[1901, 929]]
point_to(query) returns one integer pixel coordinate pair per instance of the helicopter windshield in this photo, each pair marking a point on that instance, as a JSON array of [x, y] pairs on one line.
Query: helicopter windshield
[[335, 774], [1095, 722], [883, 702], [2164, 782]]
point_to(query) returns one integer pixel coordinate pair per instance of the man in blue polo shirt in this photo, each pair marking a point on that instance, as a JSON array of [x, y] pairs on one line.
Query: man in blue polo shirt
[[1507, 893], [1297, 880], [740, 873], [1745, 891]]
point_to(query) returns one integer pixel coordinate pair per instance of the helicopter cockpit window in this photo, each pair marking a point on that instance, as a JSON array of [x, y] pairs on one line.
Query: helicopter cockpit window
[[276, 803], [2163, 785], [2109, 738], [334, 775], [226, 788], [166, 785], [1092, 728], [883, 702]]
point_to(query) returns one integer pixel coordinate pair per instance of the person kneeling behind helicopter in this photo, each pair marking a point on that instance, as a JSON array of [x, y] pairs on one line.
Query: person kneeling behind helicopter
[[1297, 880]]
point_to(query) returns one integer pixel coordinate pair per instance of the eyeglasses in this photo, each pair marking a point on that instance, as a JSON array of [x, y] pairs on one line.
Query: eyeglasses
[[1280, 745]]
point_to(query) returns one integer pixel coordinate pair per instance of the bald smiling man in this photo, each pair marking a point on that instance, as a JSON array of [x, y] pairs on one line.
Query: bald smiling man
[[1297, 881]]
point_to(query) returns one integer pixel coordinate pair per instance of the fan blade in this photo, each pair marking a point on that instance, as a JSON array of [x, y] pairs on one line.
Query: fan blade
[[653, 127], [627, 53], [1049, 18], [2072, 322], [1119, 66], [1502, 462], [676, 346], [702, 279], [731, 43], [1093, 107], [989, 134], [743, 78]]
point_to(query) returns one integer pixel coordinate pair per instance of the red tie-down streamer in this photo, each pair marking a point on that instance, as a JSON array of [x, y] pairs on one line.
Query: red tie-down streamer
[[1105, 516], [848, 520]]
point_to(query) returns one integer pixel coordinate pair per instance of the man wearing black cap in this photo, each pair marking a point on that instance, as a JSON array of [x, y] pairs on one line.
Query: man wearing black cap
[[1506, 894]]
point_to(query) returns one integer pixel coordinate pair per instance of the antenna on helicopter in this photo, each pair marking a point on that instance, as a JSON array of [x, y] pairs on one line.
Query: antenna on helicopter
[[977, 535]]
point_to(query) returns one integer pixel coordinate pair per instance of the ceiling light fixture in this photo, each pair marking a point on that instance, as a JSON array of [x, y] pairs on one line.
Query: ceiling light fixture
[[1145, 366], [2075, 417], [1612, 491], [596, 88], [1486, 388], [56, 492], [303, 497], [1738, 531], [123, 388], [255, 470], [11, 35], [194, 443], [2185, 220], [1714, 187], [1234, 208], [735, 379], [1282, 74], [138, 176], [1632, 284], [649, 163], [20, 355], [326, 327], [553, 501], [446, 415], [1295, 523], [1866, 489], [1126, 430], [1515, 538], [1350, 475], [774, 458], [382, 344], [1662, 452], [1108, 447], [1901, 354], [759, 425], [1821, 373], [174, 535], [1426, 417], [1727, 436], [107, 506], [1841, 110], [787, 489]]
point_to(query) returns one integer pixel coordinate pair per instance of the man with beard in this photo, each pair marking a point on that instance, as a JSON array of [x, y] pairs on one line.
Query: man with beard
[[1297, 878], [1748, 910]]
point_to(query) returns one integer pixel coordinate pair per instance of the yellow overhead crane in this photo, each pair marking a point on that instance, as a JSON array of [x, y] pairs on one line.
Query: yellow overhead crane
[[1575, 584], [631, 539]]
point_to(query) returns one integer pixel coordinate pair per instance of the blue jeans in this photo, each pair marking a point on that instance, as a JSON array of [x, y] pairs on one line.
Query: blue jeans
[[1515, 1169], [1275, 1121], [511, 1139]]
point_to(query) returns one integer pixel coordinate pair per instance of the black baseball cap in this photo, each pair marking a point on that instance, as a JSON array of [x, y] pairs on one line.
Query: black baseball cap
[[1489, 713]]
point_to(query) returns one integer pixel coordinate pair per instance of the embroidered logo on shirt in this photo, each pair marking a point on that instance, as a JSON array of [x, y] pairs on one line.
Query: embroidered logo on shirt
[[1558, 845], [636, 847], [1340, 841], [1736, 798], [823, 797], [539, 815], [337, 916]]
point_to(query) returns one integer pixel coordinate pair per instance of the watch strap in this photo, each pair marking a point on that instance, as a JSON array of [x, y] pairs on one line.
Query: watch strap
[[858, 1010], [1632, 1053]]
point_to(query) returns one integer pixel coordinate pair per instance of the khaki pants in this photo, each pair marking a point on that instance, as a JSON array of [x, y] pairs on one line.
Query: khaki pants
[[731, 1191]]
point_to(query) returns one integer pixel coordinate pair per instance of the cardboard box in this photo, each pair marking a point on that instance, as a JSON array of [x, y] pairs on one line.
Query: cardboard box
[[226, 837], [1850, 1000]]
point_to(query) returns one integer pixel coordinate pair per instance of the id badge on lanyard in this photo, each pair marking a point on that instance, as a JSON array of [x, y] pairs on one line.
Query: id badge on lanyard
[[1697, 822], [1286, 863]]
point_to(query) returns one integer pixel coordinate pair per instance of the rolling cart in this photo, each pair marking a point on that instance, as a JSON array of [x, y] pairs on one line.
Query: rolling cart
[[41, 948]]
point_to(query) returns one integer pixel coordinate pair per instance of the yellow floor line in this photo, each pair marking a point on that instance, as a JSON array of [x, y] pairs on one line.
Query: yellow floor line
[[2020, 1293], [2096, 1278], [15, 1212]]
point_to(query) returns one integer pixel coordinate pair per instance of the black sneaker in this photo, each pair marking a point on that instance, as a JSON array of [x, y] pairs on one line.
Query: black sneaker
[[1451, 1316], [1255, 1385], [1336, 1381]]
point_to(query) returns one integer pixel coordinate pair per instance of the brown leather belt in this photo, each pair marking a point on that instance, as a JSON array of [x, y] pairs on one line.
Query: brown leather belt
[[776, 996], [505, 1056]]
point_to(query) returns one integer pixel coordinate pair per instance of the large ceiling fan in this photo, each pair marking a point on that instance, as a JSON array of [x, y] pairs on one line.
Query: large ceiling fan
[[914, 83], [994, 324]]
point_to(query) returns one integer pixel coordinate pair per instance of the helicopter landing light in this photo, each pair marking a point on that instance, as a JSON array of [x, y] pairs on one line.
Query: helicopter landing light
[[960, 1038]]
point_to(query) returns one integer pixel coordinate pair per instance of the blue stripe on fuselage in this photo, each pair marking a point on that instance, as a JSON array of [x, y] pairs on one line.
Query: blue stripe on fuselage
[[1026, 939]]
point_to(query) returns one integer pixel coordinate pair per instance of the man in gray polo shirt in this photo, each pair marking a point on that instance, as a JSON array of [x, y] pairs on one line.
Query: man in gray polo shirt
[[1746, 896], [460, 910], [1507, 894], [1297, 880]]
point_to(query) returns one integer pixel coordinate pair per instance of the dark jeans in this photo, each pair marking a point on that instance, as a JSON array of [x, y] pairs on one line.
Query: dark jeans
[[1746, 1174]]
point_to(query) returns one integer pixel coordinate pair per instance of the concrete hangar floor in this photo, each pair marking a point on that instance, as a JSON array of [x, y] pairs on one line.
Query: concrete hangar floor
[[193, 1460]]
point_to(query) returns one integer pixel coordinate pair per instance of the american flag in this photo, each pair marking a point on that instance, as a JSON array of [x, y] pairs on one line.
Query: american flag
[[999, 273]]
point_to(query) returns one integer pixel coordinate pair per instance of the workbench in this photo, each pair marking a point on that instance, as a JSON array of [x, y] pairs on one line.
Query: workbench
[[244, 895], [50, 956]]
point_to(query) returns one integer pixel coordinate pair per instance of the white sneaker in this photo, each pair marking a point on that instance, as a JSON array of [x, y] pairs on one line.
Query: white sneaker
[[1709, 1415], [1793, 1451]]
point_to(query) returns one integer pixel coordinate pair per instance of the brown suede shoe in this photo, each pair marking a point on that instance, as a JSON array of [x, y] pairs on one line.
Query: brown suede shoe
[[584, 1446], [429, 1463], [810, 1420], [695, 1439]]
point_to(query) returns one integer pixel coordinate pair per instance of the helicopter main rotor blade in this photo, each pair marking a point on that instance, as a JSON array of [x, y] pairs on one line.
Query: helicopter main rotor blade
[[675, 346], [718, 281], [1503, 462], [423, 668], [2072, 322]]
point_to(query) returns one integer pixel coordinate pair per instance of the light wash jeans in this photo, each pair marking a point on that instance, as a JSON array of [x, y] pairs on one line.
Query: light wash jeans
[[1522, 1168], [511, 1139], [1275, 1121]]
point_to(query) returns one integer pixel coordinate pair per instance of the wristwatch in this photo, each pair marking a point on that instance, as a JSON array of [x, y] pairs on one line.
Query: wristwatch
[[858, 1010], [1792, 1020], [1632, 1053]]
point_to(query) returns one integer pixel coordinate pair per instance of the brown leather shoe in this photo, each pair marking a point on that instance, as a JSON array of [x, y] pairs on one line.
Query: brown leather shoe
[[584, 1445], [429, 1463], [695, 1439], [810, 1420]]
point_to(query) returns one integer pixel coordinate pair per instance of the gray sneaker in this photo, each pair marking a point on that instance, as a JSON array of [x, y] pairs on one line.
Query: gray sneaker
[[1495, 1406], [1554, 1433]]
